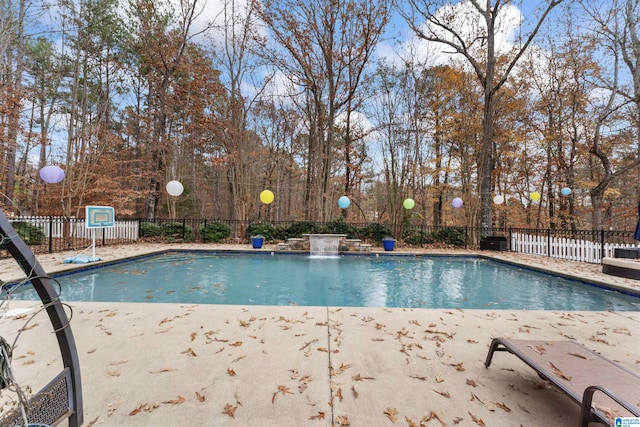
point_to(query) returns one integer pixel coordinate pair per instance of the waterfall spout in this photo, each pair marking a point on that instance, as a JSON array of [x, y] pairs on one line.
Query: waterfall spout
[[324, 245]]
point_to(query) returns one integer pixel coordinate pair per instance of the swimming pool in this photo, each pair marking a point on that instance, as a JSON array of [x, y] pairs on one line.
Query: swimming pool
[[369, 281]]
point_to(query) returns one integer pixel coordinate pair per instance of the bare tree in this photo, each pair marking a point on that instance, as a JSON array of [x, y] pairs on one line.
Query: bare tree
[[162, 40], [12, 48], [324, 47], [234, 38], [470, 29], [617, 28]]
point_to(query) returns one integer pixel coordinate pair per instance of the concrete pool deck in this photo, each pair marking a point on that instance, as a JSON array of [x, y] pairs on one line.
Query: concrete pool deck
[[170, 364]]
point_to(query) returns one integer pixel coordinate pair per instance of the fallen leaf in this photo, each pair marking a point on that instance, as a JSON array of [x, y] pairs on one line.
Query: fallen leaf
[[236, 344], [474, 397], [229, 410], [193, 336], [443, 393], [457, 420], [26, 328], [231, 372], [392, 414], [281, 389], [471, 382], [339, 394], [342, 420], [189, 352], [138, 409], [410, 422], [624, 331], [308, 343], [476, 419], [179, 401], [446, 334], [94, 421], [538, 349], [200, 397], [161, 370], [354, 392], [359, 377], [559, 372], [418, 377], [433, 416], [318, 416], [503, 406], [458, 366]]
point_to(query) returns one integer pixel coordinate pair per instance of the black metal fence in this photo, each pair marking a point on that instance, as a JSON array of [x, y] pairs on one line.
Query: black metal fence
[[56, 234]]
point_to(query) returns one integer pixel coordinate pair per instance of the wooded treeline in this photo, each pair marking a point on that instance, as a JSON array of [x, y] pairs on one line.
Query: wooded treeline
[[298, 98]]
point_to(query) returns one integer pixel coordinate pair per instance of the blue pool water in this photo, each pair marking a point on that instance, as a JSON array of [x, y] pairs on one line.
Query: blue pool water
[[385, 281]]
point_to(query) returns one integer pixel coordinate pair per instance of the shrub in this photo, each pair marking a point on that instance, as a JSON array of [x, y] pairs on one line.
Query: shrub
[[375, 231], [262, 228], [176, 232], [452, 236], [417, 238], [281, 232], [215, 232], [340, 226], [297, 229], [31, 234], [150, 229]]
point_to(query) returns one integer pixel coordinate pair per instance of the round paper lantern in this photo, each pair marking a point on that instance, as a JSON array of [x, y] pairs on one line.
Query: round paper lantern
[[457, 202], [498, 200], [52, 174], [266, 197], [344, 202], [565, 191], [174, 188], [534, 196], [408, 203]]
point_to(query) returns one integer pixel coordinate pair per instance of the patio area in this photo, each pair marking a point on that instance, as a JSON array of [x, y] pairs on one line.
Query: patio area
[[165, 364]]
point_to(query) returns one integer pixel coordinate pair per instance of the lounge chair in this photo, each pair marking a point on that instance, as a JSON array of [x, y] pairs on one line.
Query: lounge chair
[[603, 389]]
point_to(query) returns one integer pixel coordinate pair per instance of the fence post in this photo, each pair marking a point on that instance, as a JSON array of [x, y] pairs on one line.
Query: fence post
[[511, 240], [50, 234], [184, 231], [601, 244], [548, 242]]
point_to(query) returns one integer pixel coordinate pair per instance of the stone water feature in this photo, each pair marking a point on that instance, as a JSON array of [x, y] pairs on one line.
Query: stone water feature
[[324, 245]]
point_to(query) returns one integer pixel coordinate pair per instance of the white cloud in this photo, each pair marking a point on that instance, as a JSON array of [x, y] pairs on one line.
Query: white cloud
[[465, 20]]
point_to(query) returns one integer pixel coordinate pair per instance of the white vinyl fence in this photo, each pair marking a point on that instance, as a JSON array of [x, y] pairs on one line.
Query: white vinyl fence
[[54, 227], [564, 248]]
